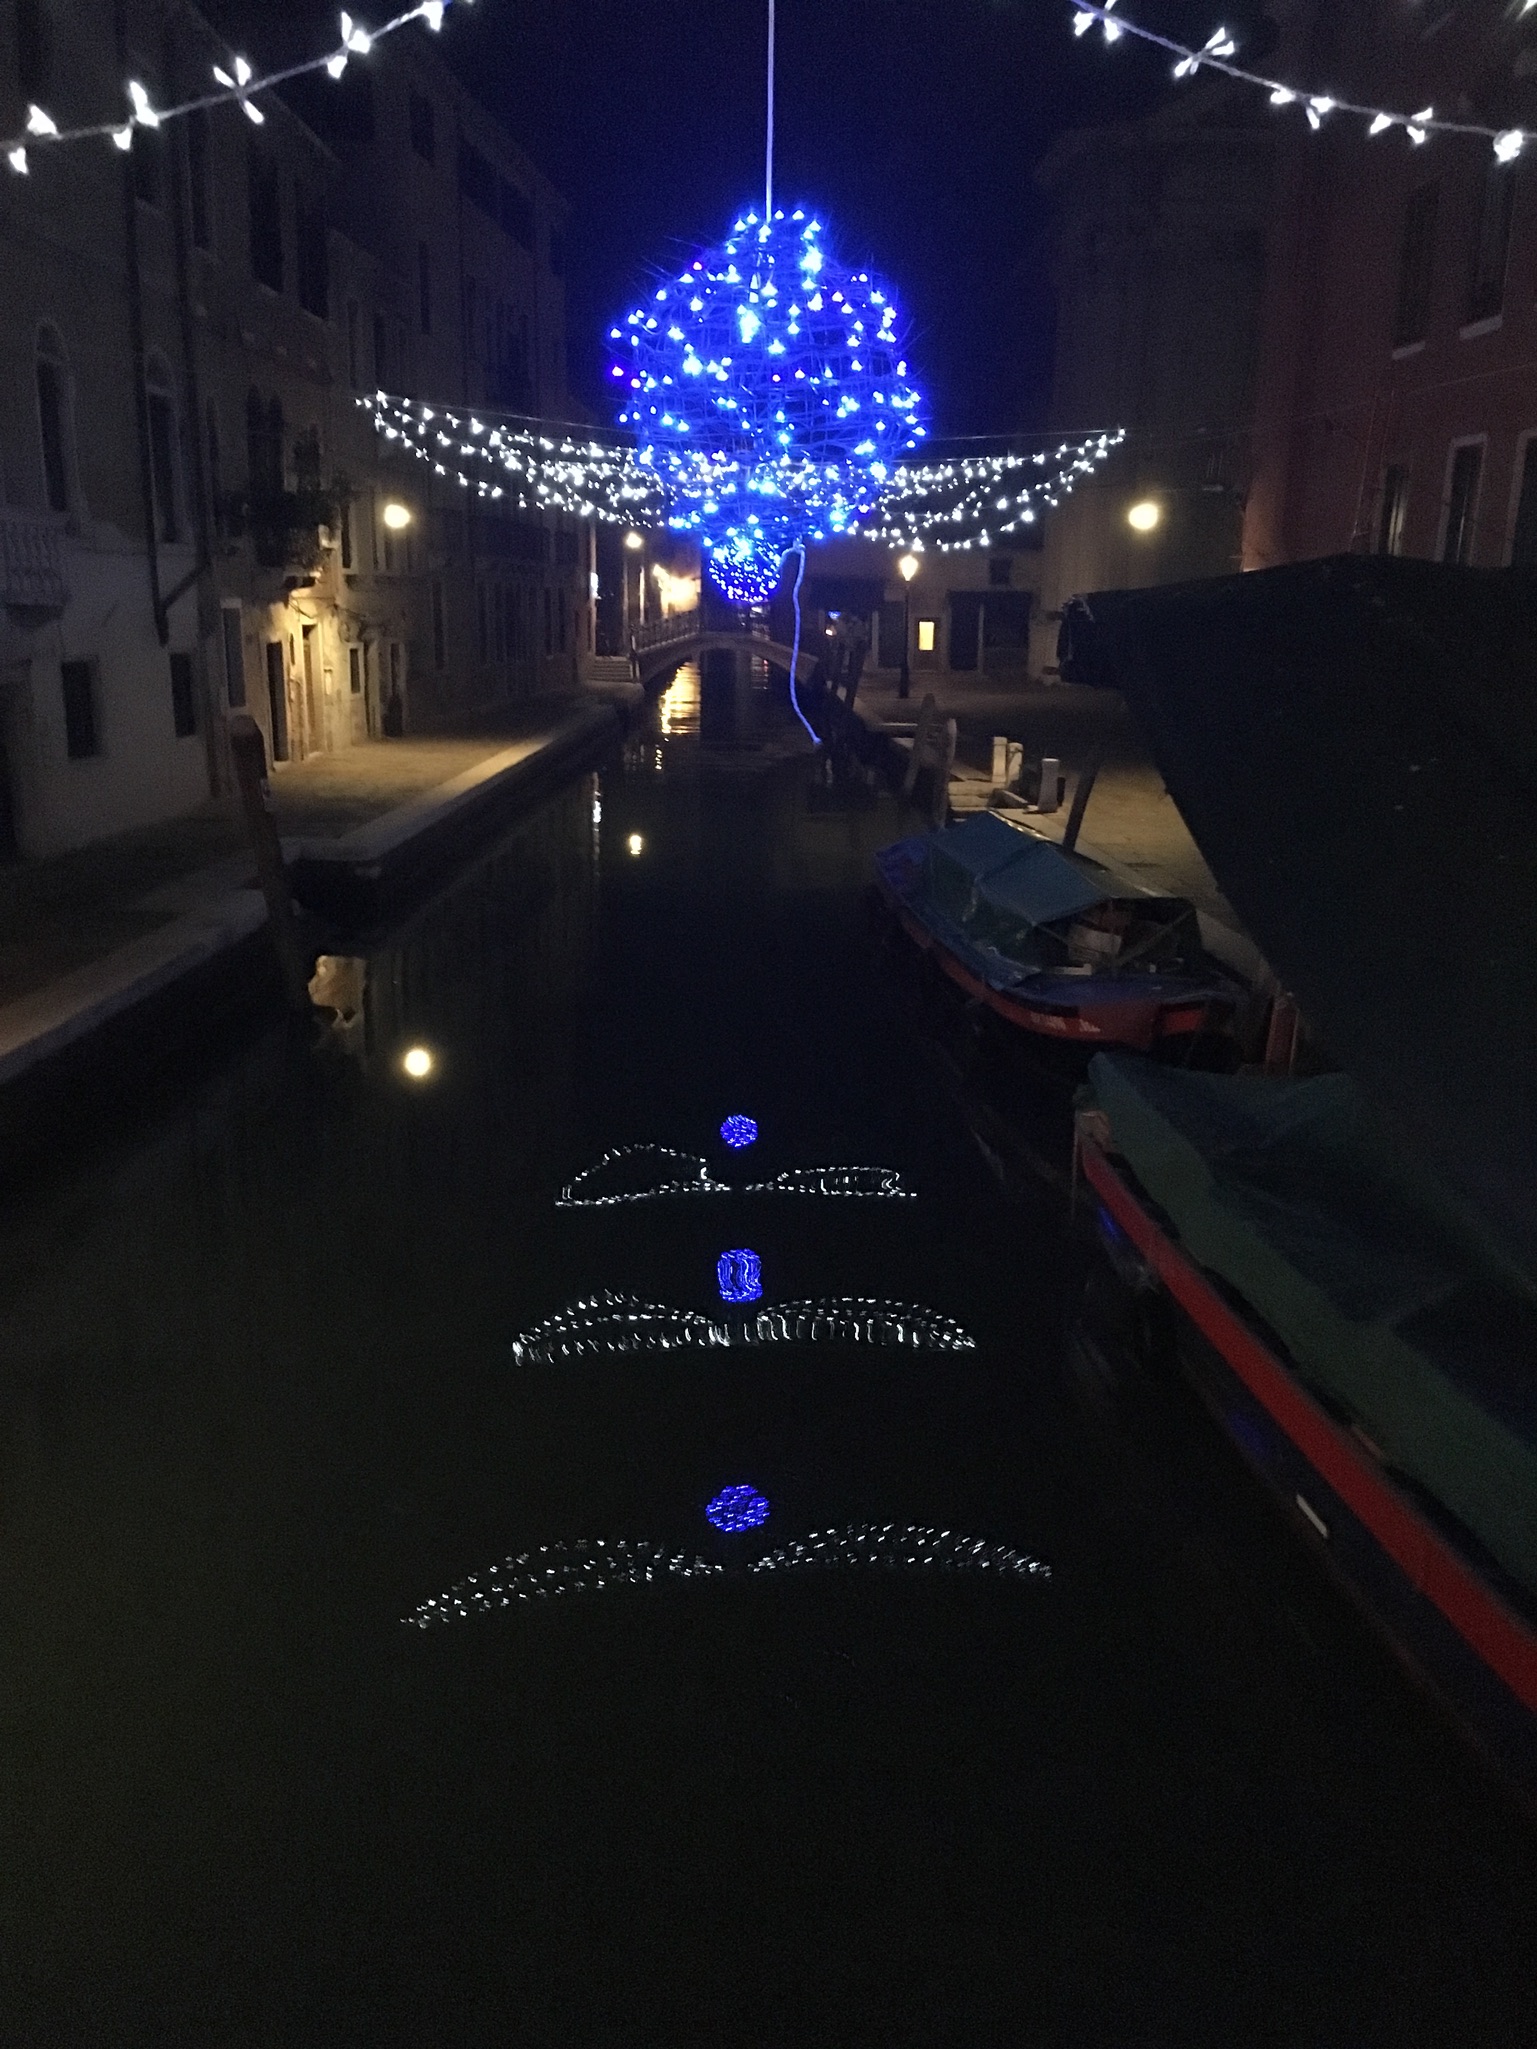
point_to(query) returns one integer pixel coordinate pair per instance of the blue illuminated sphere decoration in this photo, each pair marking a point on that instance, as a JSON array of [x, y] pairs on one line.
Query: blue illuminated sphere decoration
[[739, 1131], [739, 1276], [768, 387], [738, 1508]]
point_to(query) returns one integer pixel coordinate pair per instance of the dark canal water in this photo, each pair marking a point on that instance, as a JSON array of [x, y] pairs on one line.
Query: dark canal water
[[259, 1402]]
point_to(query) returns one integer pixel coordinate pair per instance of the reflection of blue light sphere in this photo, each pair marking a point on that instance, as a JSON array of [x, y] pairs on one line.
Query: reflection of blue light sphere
[[768, 387], [739, 1276], [738, 1508], [739, 1131]]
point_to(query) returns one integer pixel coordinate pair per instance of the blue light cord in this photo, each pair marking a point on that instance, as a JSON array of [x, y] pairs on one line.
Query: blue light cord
[[799, 550]]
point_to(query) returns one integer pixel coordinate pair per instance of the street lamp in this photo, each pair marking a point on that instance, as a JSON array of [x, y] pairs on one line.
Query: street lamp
[[1144, 515], [397, 517], [907, 569]]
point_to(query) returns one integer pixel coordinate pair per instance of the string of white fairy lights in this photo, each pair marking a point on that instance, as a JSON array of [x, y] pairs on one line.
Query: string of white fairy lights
[[963, 503], [1217, 52], [238, 85]]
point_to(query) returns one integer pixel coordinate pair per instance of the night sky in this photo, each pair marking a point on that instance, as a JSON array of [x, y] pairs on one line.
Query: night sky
[[911, 126]]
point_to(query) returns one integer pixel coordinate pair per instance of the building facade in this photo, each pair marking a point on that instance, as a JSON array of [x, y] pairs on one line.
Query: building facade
[[195, 517], [1396, 405], [1158, 262]]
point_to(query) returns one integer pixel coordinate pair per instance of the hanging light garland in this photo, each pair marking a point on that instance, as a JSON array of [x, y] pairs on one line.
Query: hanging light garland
[[534, 465], [238, 85], [1217, 52]]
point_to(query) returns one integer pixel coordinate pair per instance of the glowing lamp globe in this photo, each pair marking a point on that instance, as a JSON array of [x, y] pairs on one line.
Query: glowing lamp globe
[[736, 1509], [767, 385]]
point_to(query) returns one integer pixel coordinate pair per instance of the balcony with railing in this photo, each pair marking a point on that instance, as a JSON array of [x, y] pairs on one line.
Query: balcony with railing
[[32, 560]]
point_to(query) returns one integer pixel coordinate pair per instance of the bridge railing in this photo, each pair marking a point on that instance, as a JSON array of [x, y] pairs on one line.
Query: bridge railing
[[668, 631]]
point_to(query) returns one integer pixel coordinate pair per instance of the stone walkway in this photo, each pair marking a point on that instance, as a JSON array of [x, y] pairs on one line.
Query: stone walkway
[[1131, 821], [57, 916]]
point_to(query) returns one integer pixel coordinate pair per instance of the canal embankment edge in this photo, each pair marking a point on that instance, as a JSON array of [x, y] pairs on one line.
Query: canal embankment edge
[[86, 1039]]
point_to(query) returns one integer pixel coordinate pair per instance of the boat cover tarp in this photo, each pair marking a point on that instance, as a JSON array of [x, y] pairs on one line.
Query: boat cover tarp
[[1293, 1193], [1024, 880], [1353, 744]]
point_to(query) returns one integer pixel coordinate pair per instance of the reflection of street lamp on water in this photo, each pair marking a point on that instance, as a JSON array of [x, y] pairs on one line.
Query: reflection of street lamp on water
[[907, 569]]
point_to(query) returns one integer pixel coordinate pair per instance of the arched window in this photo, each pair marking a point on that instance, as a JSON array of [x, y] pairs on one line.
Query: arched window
[[54, 421], [264, 444], [164, 450]]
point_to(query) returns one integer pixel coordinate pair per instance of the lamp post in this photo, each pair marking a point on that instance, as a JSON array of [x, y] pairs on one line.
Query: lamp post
[[907, 569]]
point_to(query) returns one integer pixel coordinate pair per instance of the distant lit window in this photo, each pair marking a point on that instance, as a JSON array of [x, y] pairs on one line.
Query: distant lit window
[[1462, 501], [78, 681], [423, 128], [164, 451], [183, 697], [53, 419], [928, 636], [1390, 524], [1523, 546], [1416, 267], [1486, 285]]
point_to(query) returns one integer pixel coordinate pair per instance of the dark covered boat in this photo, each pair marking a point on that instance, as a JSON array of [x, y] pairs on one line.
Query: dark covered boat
[[1045, 944], [1346, 1265]]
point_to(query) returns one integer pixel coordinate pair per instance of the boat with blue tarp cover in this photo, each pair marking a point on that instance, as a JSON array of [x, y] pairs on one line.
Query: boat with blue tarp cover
[[1358, 1340], [1048, 943]]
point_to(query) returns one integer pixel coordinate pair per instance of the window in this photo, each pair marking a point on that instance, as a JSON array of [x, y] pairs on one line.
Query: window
[[379, 352], [53, 420], [266, 220], [482, 643], [439, 637], [1486, 288], [234, 656], [499, 599], [516, 214], [346, 533], [549, 623], [352, 344], [1390, 520], [183, 697], [199, 186], [264, 444], [423, 137], [147, 159], [477, 180], [34, 50], [424, 286], [1523, 544], [560, 620], [1416, 267], [355, 670], [215, 471], [312, 252], [1000, 571], [79, 684], [164, 455], [1462, 501], [928, 636]]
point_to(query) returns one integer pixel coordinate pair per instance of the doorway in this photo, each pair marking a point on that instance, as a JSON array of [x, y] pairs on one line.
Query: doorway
[[277, 700], [314, 738], [965, 628]]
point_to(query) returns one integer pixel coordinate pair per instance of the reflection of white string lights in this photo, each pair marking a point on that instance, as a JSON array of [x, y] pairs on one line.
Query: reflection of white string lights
[[865, 1183], [1219, 47], [611, 1324], [892, 1547], [584, 1568], [239, 89], [589, 1568]]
